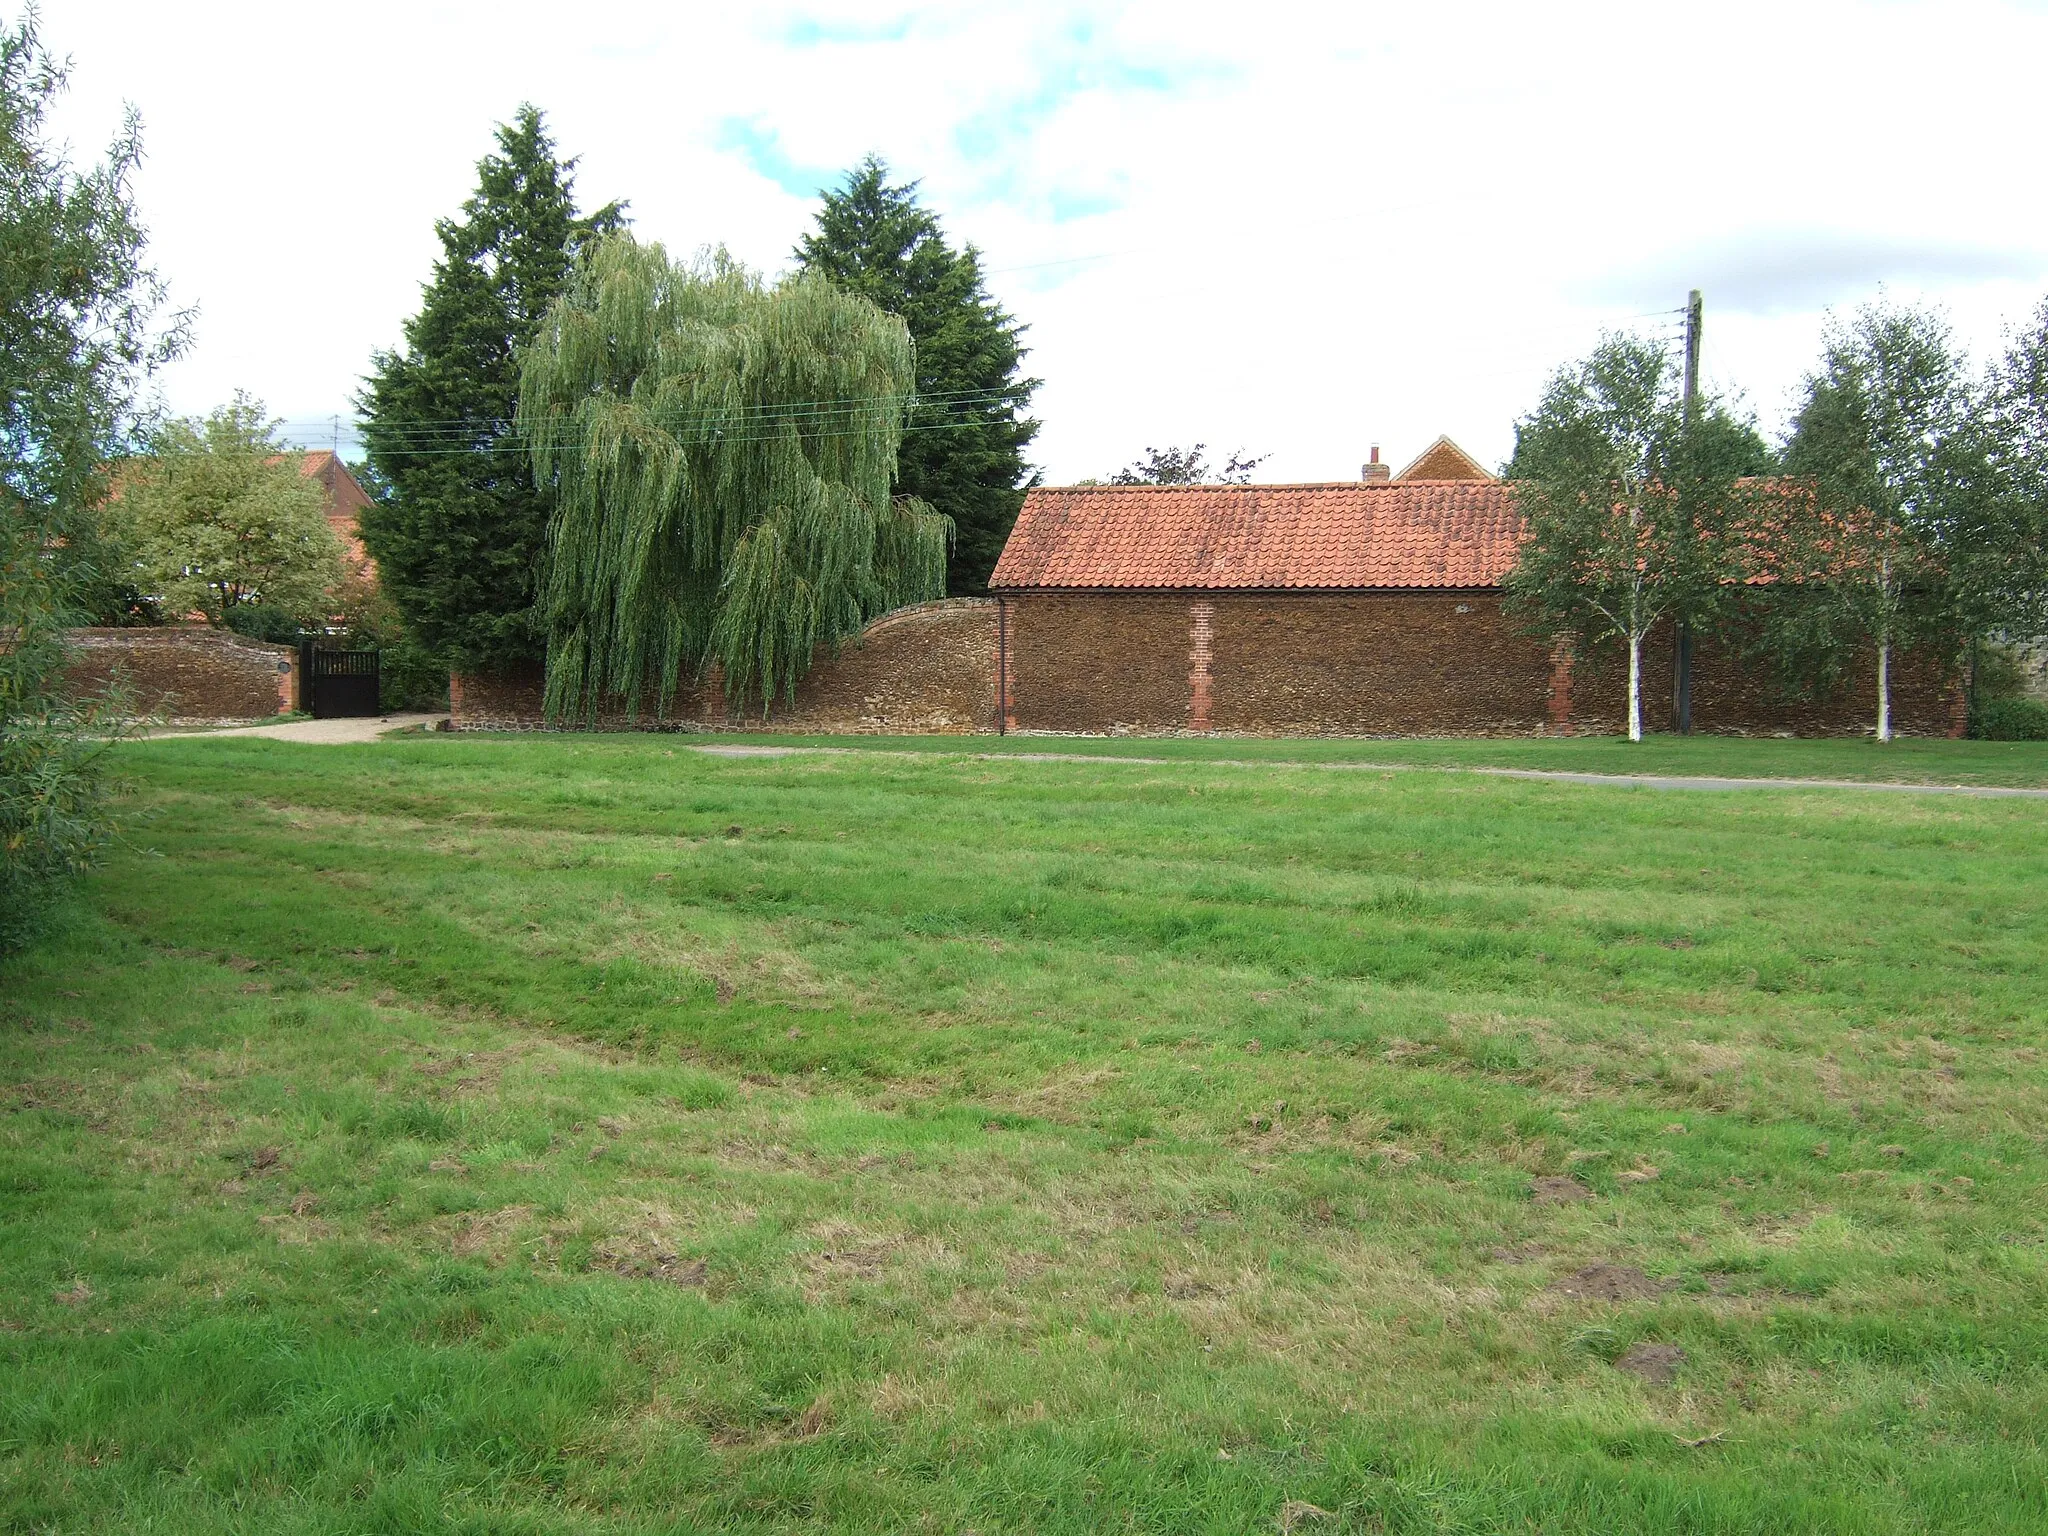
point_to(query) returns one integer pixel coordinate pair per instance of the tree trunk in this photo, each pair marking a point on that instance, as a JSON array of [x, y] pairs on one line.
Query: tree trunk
[[1635, 686], [1884, 650], [1884, 689]]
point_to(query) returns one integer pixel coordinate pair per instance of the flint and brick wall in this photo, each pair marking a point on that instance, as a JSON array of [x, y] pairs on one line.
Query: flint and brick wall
[[928, 669], [1423, 664], [189, 673], [1733, 696], [1098, 665], [1272, 665], [1253, 664], [1387, 664]]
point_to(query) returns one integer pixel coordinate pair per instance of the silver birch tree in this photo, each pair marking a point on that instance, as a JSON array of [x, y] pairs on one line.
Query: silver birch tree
[[1624, 503], [1887, 470]]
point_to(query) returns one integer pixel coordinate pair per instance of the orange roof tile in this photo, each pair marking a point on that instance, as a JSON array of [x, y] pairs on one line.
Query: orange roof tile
[[1345, 536]]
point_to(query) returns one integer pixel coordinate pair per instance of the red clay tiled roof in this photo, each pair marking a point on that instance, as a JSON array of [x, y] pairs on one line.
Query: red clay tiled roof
[[1348, 535]]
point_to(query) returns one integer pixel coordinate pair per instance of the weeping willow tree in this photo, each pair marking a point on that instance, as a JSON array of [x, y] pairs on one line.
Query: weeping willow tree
[[719, 452]]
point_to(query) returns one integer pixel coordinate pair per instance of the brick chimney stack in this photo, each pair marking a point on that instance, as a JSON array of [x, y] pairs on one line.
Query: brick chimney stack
[[1373, 471]]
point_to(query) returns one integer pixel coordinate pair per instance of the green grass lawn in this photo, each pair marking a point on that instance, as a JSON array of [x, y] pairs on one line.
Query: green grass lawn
[[585, 1133], [1908, 760]]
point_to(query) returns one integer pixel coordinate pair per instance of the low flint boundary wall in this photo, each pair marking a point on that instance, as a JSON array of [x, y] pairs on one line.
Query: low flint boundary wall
[[190, 673]]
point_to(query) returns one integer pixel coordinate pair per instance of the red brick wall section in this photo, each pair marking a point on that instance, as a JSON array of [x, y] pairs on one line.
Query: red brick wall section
[[1201, 658], [928, 669], [1006, 667], [1559, 705], [190, 674]]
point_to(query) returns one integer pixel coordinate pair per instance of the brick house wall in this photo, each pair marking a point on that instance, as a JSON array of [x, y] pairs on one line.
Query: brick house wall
[[191, 674]]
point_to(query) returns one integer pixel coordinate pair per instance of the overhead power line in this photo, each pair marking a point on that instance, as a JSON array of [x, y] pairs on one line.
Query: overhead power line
[[513, 436], [468, 435]]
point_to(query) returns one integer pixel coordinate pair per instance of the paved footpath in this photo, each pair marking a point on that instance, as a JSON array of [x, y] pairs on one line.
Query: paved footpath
[[1554, 775], [325, 732]]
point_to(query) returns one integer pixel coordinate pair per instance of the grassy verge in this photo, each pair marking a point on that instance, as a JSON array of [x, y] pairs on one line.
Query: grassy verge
[[2022, 764], [580, 1133]]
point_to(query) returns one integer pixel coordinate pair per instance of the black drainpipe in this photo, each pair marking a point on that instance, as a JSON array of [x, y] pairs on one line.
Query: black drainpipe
[[1002, 667]]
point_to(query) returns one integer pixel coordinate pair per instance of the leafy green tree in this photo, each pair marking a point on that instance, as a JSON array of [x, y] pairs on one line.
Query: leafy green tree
[[708, 509], [77, 339], [218, 519], [2006, 563], [1894, 497], [459, 530], [963, 447], [1187, 466], [1628, 504]]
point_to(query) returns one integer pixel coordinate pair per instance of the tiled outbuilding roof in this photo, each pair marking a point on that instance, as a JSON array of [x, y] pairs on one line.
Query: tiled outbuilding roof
[[1344, 536]]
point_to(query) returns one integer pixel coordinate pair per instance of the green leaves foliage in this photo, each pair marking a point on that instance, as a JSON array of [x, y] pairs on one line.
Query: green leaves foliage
[[460, 528], [720, 452], [1879, 543], [1187, 466], [2008, 538], [218, 519], [1629, 502], [77, 336], [963, 447]]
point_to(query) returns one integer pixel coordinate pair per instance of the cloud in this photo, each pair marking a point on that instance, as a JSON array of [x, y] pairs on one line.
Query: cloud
[[762, 149], [816, 31], [1303, 226], [1790, 271]]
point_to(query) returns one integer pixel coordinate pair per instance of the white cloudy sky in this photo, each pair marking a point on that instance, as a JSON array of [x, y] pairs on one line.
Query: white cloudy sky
[[1296, 228]]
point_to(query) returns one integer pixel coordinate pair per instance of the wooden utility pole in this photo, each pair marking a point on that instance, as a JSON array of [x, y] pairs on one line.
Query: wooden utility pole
[[1681, 661]]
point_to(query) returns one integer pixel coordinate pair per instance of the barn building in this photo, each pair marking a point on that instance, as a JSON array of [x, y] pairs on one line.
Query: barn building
[[1353, 608]]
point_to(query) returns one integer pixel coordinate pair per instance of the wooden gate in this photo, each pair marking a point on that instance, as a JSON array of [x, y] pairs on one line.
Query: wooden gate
[[340, 683]]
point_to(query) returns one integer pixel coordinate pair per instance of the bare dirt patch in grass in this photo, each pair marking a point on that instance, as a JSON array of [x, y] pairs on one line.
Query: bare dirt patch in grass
[[644, 1261], [1656, 1364], [1610, 1283]]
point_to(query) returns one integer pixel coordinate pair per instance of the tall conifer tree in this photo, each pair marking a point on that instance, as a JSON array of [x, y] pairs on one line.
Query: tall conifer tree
[[459, 536], [963, 445]]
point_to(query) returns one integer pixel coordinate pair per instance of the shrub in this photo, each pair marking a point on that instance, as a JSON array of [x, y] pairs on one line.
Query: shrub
[[54, 813], [259, 622], [410, 677], [2012, 720], [76, 301]]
